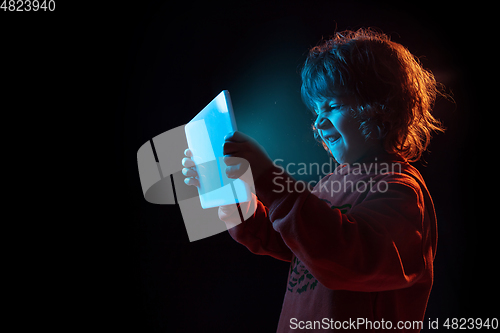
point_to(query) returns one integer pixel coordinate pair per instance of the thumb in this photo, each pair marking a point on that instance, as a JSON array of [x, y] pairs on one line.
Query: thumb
[[237, 136]]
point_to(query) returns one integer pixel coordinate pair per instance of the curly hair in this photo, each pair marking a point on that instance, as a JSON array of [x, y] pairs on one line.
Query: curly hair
[[393, 94]]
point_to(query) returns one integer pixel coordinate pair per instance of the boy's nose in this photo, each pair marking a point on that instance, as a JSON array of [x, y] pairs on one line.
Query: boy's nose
[[322, 122]]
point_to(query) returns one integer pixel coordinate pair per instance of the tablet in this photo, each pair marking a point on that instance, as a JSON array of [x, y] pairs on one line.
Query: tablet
[[205, 137]]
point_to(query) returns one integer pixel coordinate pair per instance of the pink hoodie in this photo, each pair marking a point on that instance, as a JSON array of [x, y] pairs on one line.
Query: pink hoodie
[[361, 246]]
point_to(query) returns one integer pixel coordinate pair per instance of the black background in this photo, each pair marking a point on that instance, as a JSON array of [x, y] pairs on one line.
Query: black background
[[164, 61]]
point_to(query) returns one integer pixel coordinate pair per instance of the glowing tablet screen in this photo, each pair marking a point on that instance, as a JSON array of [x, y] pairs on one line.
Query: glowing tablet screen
[[205, 136]]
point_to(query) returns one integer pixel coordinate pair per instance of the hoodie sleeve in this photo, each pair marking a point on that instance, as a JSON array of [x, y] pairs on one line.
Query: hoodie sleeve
[[257, 232], [379, 245]]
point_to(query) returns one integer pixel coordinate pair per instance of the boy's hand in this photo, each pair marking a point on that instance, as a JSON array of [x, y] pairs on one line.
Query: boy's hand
[[245, 147], [239, 150], [189, 171]]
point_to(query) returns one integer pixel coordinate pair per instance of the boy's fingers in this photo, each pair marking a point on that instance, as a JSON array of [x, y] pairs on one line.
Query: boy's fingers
[[237, 136], [231, 148], [237, 170], [232, 160], [189, 172], [230, 136], [188, 153], [192, 182], [232, 171], [187, 162]]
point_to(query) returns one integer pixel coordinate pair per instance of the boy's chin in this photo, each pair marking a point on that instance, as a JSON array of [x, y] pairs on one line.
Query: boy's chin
[[335, 159]]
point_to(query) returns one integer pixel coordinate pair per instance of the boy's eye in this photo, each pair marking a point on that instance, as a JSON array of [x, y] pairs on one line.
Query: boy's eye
[[335, 107]]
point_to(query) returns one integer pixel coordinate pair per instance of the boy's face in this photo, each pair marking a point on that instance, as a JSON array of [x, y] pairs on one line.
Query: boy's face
[[340, 131]]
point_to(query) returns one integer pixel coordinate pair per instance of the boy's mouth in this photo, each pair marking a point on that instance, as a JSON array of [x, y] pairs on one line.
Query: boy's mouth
[[332, 138]]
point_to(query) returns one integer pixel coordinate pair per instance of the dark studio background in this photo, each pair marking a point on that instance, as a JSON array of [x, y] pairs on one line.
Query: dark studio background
[[168, 62]]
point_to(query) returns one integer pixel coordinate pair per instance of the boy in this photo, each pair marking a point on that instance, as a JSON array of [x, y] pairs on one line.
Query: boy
[[361, 251]]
